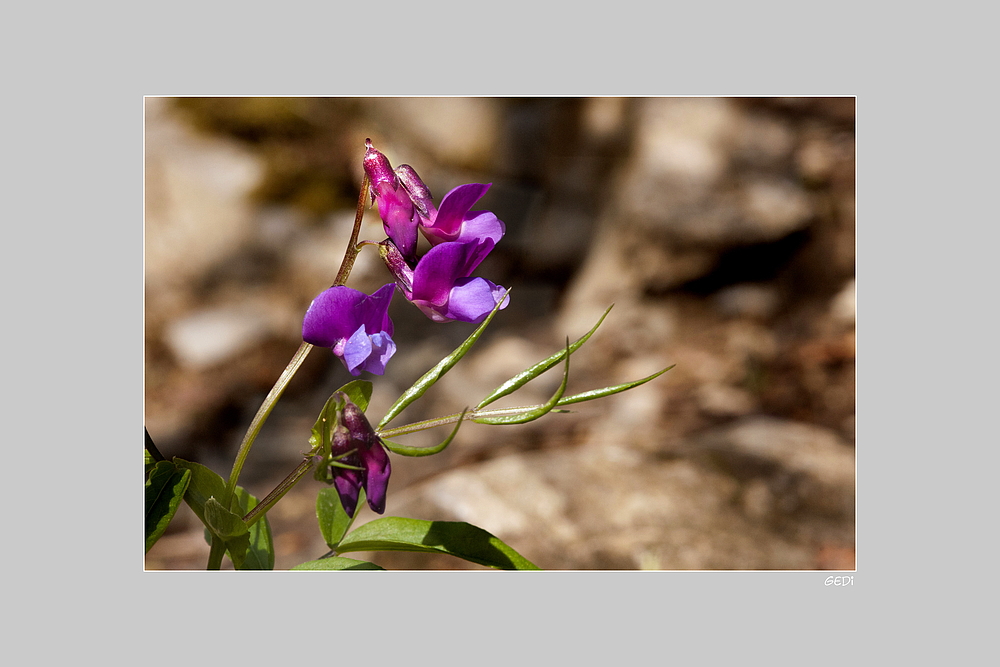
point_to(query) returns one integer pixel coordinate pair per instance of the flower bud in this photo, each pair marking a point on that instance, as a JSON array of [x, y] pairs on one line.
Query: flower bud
[[419, 193], [353, 442], [399, 218], [398, 266]]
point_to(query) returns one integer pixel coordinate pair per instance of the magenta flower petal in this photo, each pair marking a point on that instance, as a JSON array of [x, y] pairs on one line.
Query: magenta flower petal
[[399, 217], [454, 215], [442, 288], [454, 207], [437, 271]]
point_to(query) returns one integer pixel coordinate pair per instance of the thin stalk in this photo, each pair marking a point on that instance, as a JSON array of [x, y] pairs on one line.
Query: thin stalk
[[279, 491], [352, 247], [451, 419], [218, 549]]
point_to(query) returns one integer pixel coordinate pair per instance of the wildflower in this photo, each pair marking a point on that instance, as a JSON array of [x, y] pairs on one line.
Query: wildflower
[[354, 325], [364, 462], [399, 218], [440, 285]]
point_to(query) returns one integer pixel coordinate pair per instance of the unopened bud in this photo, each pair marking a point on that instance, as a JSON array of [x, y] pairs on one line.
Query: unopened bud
[[419, 193], [378, 169], [397, 265]]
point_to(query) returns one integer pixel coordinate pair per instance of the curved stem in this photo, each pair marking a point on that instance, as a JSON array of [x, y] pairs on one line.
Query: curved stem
[[352, 247], [262, 414], [215, 557]]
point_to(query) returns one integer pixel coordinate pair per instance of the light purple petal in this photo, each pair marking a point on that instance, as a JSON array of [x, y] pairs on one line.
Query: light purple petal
[[376, 463], [481, 225], [472, 300], [382, 350], [357, 350]]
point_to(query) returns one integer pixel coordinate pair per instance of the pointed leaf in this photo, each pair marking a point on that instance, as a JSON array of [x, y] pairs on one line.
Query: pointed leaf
[[608, 391], [435, 374], [205, 488], [456, 538], [164, 492], [205, 484], [405, 450], [333, 520], [259, 552], [531, 415], [359, 391], [522, 378], [222, 522], [337, 563]]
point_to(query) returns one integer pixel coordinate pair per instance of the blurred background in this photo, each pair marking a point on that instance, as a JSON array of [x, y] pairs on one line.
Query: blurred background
[[722, 230]]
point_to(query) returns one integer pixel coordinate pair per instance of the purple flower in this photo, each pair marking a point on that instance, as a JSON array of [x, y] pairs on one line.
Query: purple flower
[[354, 325], [440, 285], [354, 443], [399, 218], [453, 221]]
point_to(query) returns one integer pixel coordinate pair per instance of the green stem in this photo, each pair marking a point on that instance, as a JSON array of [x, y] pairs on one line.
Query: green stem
[[218, 549], [451, 419], [279, 491]]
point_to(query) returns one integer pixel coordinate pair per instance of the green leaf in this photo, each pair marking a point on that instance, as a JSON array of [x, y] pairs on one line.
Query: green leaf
[[321, 437], [222, 522], [164, 492], [248, 549], [435, 374], [522, 378], [532, 415], [456, 538], [359, 391], [149, 462], [205, 484], [259, 551], [607, 391], [405, 450], [333, 520], [337, 563]]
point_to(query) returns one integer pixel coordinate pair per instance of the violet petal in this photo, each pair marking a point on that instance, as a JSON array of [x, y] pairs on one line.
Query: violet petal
[[472, 299], [376, 463], [328, 318]]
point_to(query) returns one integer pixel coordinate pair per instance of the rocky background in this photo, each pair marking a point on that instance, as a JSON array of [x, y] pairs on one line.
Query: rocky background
[[721, 229]]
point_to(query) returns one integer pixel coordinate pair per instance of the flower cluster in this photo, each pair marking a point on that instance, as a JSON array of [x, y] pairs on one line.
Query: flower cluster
[[440, 283], [357, 326]]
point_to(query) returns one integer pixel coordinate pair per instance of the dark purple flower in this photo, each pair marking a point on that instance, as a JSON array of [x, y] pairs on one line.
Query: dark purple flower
[[354, 443], [440, 285], [354, 325], [399, 218]]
